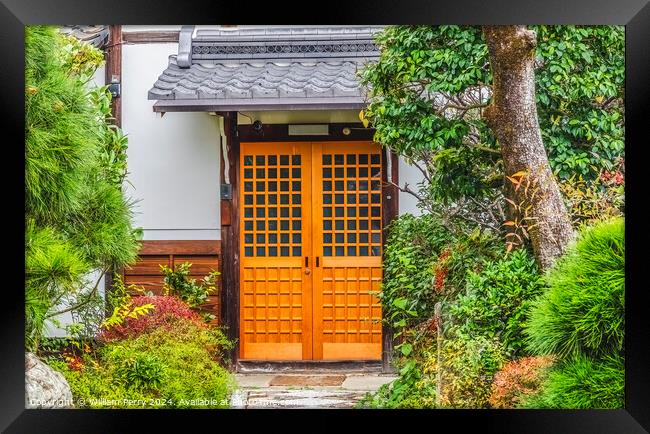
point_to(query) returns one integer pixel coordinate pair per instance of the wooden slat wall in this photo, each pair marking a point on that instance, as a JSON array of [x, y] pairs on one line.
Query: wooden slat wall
[[204, 256]]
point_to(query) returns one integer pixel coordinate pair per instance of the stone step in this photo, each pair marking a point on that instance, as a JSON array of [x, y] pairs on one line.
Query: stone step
[[311, 398]]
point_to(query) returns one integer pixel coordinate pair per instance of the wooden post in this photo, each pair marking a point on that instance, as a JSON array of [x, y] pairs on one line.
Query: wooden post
[[437, 315], [390, 210], [230, 237], [114, 68]]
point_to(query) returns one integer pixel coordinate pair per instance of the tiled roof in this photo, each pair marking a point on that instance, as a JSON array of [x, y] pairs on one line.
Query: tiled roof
[[96, 35], [258, 80], [308, 66]]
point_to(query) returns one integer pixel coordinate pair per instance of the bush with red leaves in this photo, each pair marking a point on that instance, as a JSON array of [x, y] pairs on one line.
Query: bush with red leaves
[[441, 271], [518, 379], [166, 310]]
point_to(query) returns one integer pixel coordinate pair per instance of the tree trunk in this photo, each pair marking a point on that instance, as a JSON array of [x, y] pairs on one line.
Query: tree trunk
[[512, 116]]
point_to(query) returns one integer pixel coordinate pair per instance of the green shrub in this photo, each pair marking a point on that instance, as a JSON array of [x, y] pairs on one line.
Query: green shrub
[[143, 371], [425, 263], [468, 367], [583, 309], [581, 319], [173, 365], [412, 389], [412, 249], [52, 269], [97, 386], [498, 299], [177, 282], [190, 354], [582, 382]]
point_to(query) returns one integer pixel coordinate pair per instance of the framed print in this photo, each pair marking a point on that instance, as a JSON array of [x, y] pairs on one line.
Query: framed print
[[388, 208]]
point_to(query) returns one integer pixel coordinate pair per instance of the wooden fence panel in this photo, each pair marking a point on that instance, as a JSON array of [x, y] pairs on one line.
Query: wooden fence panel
[[205, 256]]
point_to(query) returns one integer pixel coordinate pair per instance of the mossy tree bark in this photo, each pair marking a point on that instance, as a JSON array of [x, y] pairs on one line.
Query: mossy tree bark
[[512, 116]]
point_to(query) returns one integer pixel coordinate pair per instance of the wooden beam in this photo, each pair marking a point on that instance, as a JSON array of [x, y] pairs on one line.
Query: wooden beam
[[230, 239], [149, 37], [259, 104], [226, 204], [180, 247], [280, 132]]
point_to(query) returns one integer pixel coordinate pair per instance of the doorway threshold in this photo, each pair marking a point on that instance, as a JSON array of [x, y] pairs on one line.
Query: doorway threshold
[[309, 367]]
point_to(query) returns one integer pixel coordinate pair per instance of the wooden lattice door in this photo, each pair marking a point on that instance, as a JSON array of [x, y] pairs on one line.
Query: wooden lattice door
[[310, 251]]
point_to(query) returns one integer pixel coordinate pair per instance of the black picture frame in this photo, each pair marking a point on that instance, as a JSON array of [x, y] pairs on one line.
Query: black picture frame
[[634, 14]]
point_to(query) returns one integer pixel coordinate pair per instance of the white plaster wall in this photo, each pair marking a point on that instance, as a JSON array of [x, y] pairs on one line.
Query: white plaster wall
[[412, 176], [298, 117], [53, 329], [99, 78], [173, 160]]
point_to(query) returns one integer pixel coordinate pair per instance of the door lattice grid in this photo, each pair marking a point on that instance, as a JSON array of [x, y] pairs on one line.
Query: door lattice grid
[[351, 204]]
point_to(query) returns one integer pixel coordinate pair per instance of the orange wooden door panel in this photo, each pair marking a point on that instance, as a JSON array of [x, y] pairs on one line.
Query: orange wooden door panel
[[347, 242], [275, 291], [310, 251]]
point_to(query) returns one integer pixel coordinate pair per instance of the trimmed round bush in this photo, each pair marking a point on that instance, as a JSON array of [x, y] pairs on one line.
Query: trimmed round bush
[[583, 311]]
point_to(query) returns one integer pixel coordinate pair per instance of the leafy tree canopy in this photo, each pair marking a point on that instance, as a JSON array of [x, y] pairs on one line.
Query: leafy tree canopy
[[431, 83]]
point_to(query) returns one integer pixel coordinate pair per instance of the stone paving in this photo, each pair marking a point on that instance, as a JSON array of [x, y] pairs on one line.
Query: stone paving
[[305, 390]]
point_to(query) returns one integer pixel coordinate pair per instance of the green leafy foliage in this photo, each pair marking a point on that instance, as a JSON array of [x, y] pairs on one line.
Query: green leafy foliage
[[413, 245], [583, 382], [583, 310], [177, 281], [425, 262], [590, 202], [431, 83], [143, 371], [580, 91], [467, 367], [411, 389], [417, 62], [498, 299]]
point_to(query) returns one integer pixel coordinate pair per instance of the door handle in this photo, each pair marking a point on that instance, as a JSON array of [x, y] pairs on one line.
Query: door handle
[[307, 270], [317, 260]]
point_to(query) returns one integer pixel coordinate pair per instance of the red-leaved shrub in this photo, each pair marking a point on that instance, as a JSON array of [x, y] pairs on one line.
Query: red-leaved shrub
[[518, 379], [166, 310], [441, 271]]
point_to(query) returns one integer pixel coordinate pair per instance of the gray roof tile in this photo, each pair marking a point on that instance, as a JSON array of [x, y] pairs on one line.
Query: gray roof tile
[[243, 80], [96, 35], [260, 64]]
